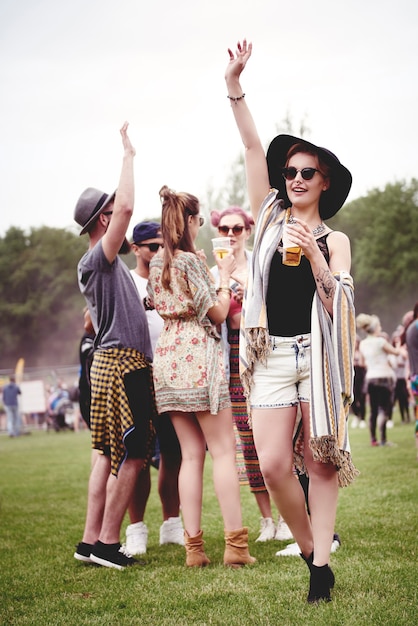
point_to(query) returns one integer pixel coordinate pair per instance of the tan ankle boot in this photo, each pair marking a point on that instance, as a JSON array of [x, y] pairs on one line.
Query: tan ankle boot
[[236, 548], [195, 554]]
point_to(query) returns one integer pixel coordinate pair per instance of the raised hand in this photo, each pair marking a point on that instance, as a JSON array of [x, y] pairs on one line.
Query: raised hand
[[238, 61], [129, 149]]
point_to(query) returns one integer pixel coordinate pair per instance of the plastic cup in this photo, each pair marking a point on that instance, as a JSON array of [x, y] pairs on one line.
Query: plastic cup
[[291, 252], [221, 246]]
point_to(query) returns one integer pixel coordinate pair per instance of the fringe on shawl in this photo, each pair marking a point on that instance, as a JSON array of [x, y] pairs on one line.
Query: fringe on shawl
[[325, 450], [257, 348]]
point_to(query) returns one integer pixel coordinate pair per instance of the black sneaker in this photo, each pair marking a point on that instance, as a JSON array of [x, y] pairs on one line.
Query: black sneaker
[[83, 551], [111, 555]]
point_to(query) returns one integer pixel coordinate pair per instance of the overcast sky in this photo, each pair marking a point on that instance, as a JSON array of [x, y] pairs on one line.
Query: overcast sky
[[72, 72]]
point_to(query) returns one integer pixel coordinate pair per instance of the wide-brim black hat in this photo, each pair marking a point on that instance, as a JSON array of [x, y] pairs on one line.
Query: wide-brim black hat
[[90, 204], [333, 198]]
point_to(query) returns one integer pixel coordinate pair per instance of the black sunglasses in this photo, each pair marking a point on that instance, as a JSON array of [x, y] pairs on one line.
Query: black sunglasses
[[290, 173], [152, 247], [224, 230]]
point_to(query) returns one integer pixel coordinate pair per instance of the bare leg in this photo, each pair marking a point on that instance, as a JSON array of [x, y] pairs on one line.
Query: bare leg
[[140, 495], [168, 489], [190, 482], [273, 434], [323, 498], [118, 494], [263, 502], [220, 438], [100, 470]]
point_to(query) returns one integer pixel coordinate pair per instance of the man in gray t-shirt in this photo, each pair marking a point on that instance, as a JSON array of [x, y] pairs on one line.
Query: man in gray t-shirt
[[122, 400], [412, 346]]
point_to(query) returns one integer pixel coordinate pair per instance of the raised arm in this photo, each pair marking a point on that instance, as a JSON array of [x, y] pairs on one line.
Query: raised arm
[[255, 161], [124, 201]]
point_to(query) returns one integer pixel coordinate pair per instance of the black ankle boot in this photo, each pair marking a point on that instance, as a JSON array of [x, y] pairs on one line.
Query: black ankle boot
[[322, 579], [309, 562], [308, 559]]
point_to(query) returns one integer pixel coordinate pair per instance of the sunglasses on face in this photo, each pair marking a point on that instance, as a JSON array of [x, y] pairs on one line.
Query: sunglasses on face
[[201, 221], [152, 247], [224, 230], [307, 173]]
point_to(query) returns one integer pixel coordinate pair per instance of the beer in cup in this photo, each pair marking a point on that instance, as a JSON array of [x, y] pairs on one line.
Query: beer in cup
[[291, 252], [221, 246]]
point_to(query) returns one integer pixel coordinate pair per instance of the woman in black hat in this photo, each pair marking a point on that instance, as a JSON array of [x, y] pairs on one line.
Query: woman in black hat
[[298, 324]]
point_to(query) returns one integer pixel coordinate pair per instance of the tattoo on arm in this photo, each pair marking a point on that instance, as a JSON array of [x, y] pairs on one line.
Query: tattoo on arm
[[326, 282]]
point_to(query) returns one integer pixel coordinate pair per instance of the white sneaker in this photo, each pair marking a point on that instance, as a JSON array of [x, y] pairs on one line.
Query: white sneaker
[[290, 550], [389, 424], [283, 532], [267, 529], [293, 549], [136, 538], [355, 422], [171, 531], [335, 543], [363, 424]]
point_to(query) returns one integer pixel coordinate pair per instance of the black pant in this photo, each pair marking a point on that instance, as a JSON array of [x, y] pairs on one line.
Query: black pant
[[380, 397], [402, 396]]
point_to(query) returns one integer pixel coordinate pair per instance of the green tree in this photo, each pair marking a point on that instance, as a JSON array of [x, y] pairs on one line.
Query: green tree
[[381, 227], [40, 303]]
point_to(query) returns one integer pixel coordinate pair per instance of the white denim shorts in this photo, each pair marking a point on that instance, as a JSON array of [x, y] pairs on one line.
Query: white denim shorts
[[285, 379]]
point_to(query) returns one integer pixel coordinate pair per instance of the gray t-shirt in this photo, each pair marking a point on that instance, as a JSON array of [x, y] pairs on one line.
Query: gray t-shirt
[[116, 311], [412, 345]]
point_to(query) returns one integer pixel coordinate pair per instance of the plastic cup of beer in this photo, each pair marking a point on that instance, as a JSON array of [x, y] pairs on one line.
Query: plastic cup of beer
[[221, 246], [291, 252]]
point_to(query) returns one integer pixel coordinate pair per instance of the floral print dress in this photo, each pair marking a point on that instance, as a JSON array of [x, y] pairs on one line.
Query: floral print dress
[[188, 367]]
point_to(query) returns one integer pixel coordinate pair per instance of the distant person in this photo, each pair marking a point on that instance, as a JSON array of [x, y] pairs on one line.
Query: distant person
[[360, 393], [189, 376], [400, 367], [146, 241], [122, 399], [379, 375], [412, 346], [59, 403], [11, 393]]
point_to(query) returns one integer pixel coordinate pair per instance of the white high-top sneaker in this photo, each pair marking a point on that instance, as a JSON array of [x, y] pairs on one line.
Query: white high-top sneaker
[[171, 531], [137, 538], [267, 529], [283, 532]]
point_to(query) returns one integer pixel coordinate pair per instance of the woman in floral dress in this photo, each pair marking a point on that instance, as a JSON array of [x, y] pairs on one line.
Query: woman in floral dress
[[189, 376]]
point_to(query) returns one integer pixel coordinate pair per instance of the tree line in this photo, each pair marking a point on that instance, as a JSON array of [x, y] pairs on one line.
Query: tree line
[[41, 306]]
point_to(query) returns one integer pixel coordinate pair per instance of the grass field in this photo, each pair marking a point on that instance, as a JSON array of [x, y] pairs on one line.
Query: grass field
[[43, 483]]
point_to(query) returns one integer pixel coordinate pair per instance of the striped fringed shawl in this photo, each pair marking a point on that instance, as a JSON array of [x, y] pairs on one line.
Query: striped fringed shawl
[[332, 348], [332, 374]]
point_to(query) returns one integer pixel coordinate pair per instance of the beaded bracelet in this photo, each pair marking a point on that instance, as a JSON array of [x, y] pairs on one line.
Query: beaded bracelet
[[236, 99]]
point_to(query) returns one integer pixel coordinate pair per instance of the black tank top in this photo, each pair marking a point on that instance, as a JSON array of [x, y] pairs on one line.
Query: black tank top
[[290, 293]]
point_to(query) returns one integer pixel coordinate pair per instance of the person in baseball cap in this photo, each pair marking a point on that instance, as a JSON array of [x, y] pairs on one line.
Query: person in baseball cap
[[146, 233]]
